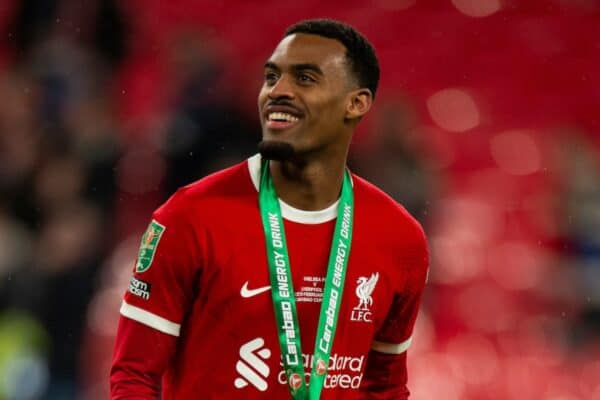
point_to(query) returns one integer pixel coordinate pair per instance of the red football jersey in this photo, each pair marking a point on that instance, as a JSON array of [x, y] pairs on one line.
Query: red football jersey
[[202, 276]]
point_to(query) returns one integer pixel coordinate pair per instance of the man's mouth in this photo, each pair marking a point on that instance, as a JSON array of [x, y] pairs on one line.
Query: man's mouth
[[280, 120]]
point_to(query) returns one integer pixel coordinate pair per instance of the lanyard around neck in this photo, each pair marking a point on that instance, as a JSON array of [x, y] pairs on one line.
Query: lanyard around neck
[[282, 290]]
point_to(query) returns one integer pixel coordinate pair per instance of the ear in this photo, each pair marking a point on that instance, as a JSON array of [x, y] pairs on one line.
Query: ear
[[359, 103]]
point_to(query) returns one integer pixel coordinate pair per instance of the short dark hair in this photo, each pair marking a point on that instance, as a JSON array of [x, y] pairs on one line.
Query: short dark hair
[[360, 53]]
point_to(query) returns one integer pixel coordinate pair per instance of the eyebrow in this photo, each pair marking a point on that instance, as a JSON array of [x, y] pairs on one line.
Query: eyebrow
[[296, 67]]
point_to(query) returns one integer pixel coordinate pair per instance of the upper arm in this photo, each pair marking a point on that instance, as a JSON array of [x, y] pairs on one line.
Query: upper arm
[[141, 356], [395, 335], [166, 272], [160, 292], [386, 373]]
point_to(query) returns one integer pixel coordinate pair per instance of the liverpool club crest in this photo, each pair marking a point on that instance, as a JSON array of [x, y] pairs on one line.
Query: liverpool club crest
[[364, 289]]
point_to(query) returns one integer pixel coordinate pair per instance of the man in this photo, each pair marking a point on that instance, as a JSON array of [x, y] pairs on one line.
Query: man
[[284, 276]]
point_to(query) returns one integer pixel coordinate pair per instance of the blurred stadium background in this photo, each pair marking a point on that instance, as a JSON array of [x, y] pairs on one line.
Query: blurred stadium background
[[486, 128]]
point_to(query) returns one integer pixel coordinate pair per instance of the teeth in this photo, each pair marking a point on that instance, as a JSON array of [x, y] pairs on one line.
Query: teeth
[[279, 116]]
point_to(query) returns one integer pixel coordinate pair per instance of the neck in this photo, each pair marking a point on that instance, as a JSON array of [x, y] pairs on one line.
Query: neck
[[309, 185]]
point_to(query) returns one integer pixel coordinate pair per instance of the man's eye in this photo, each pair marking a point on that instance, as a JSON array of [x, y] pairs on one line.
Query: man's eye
[[270, 77], [305, 78]]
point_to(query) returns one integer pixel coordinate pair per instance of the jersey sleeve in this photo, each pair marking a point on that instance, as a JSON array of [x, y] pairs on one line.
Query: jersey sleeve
[[385, 377], [395, 334], [140, 357], [386, 372], [165, 272]]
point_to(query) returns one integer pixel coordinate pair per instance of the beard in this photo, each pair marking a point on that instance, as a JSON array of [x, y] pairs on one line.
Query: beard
[[276, 150]]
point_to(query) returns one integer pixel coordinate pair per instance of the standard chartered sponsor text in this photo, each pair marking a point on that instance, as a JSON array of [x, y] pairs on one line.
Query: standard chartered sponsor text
[[343, 371]]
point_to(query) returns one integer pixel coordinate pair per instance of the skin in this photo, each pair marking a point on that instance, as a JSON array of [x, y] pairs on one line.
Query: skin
[[309, 74]]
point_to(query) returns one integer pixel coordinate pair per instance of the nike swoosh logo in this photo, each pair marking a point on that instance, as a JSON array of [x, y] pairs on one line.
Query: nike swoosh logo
[[245, 292]]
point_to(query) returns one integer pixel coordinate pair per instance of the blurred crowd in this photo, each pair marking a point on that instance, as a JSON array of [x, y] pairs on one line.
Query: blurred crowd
[[105, 111]]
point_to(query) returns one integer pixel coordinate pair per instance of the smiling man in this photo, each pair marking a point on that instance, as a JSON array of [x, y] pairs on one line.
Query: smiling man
[[284, 276]]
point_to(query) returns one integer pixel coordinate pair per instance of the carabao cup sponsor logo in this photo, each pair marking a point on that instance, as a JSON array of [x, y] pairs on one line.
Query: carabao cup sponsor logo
[[251, 365], [148, 246]]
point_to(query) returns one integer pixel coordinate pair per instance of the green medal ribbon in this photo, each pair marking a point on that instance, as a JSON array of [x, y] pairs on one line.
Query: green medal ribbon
[[282, 290]]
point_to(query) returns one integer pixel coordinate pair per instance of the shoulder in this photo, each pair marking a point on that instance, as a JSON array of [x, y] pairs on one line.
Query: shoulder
[[383, 210], [388, 227], [213, 190], [385, 227]]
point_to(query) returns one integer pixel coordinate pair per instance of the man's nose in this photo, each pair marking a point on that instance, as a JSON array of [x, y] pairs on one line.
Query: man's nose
[[283, 88]]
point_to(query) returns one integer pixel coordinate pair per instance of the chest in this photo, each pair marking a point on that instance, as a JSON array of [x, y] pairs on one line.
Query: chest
[[236, 276]]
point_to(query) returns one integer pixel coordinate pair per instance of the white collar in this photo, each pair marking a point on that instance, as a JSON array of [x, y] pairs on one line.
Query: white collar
[[288, 212]]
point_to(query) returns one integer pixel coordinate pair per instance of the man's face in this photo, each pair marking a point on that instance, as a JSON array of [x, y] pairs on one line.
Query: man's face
[[305, 93]]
